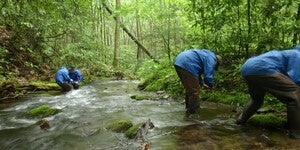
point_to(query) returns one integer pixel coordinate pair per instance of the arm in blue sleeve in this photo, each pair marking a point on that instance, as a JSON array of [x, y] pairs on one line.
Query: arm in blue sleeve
[[79, 75], [66, 77], [208, 72], [292, 66]]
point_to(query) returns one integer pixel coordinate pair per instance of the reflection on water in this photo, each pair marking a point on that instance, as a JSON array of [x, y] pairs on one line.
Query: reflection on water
[[87, 111]]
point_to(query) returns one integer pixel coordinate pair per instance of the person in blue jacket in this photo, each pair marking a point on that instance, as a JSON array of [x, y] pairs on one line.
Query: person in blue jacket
[[190, 65], [63, 79], [278, 73], [76, 76]]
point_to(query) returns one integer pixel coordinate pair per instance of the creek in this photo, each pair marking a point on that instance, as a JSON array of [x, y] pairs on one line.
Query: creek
[[87, 112]]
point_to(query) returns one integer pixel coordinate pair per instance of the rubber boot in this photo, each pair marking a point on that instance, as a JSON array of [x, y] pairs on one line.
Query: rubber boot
[[250, 109], [193, 106], [186, 102], [293, 121]]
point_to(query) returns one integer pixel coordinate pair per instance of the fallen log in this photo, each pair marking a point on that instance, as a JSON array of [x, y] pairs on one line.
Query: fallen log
[[143, 130]]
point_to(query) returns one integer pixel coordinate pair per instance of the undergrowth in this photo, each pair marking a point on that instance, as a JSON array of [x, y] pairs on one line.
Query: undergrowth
[[230, 88]]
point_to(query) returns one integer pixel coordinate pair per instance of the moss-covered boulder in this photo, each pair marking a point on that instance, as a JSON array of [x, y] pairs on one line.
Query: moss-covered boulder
[[43, 111], [120, 126], [140, 97], [39, 86], [267, 120], [131, 132]]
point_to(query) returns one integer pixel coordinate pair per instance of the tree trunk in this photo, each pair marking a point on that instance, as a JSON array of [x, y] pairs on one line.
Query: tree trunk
[[296, 31], [249, 28], [138, 35], [116, 58]]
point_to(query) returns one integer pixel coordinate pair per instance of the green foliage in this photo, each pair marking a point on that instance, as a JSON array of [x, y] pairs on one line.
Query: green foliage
[[273, 102], [159, 77], [245, 31], [225, 96], [37, 37]]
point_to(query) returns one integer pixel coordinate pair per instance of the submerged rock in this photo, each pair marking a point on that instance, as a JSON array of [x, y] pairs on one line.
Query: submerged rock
[[44, 124], [143, 130], [140, 97], [140, 130]]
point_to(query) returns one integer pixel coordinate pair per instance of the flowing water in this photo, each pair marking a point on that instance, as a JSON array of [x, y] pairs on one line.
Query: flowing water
[[89, 110]]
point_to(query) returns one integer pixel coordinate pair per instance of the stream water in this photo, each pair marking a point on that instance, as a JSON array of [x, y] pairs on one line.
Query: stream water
[[89, 110]]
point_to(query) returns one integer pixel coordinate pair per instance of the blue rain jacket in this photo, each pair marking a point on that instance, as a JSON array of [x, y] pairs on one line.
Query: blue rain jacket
[[62, 76], [286, 62], [198, 62], [76, 76]]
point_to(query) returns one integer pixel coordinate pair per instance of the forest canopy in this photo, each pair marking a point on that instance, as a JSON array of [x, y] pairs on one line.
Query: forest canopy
[[101, 37]]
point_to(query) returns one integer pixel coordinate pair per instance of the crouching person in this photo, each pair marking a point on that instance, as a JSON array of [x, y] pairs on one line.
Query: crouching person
[[63, 79], [190, 65], [76, 76], [278, 73]]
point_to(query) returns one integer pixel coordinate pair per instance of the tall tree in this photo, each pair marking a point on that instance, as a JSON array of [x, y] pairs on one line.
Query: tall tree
[[116, 58], [138, 35], [249, 27], [296, 35]]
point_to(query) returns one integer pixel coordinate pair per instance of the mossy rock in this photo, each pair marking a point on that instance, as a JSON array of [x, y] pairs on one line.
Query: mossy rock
[[131, 132], [120, 126], [43, 111], [140, 97], [39, 86], [267, 120], [45, 85]]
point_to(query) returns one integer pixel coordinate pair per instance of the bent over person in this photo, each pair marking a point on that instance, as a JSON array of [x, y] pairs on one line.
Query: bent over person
[[190, 65], [278, 73], [63, 79], [76, 76]]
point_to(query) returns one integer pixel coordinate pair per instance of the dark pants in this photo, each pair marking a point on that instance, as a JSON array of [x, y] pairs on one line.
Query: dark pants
[[75, 86], [191, 86], [280, 86], [66, 87]]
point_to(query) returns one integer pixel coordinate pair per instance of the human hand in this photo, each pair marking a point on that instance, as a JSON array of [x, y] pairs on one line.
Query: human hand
[[206, 86]]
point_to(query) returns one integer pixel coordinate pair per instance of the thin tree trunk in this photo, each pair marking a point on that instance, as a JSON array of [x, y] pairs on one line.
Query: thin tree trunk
[[249, 27], [116, 58], [296, 31], [169, 32], [138, 35]]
